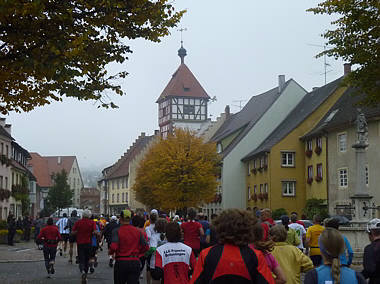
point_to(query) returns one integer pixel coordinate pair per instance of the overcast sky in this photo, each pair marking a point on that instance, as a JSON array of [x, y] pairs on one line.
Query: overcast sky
[[236, 49]]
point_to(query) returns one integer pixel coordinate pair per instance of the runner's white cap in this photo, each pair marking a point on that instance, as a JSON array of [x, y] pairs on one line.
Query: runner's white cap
[[374, 224], [114, 218], [154, 211]]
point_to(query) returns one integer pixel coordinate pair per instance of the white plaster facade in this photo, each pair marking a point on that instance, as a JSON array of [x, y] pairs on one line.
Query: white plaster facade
[[233, 172], [338, 160], [75, 181]]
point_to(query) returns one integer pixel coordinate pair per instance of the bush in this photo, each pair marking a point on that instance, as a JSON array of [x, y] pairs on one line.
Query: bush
[[3, 224], [316, 207], [277, 213]]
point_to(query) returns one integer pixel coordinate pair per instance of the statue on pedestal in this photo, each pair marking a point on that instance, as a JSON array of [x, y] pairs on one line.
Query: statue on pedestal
[[361, 128]]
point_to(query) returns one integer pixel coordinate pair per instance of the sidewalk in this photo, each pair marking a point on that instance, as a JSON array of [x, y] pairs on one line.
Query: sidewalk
[[20, 252]]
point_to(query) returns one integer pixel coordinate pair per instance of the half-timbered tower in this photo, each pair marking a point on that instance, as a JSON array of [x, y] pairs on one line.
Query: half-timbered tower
[[183, 102]]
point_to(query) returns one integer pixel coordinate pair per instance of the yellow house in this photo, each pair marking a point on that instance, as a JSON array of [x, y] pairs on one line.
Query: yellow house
[[277, 169]]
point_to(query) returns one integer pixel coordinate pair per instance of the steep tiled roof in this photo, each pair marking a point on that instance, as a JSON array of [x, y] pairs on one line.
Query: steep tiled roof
[[5, 133], [305, 107], [40, 170], [183, 84], [59, 163], [121, 167], [245, 119], [343, 114]]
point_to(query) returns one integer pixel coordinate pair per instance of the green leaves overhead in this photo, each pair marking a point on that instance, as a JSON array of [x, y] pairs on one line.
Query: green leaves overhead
[[51, 48], [356, 40]]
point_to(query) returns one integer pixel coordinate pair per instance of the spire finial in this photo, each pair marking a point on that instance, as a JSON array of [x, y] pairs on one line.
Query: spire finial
[[182, 50]]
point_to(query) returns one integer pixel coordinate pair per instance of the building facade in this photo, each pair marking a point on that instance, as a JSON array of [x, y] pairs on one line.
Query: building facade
[[119, 179], [338, 128], [90, 199], [277, 170], [246, 130]]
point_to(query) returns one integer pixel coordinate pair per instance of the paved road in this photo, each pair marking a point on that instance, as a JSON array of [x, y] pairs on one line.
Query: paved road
[[34, 271]]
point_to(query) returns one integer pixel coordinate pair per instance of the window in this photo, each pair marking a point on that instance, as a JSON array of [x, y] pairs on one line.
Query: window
[[1, 181], [319, 142], [249, 192], [7, 150], [117, 197], [113, 197], [122, 197], [261, 162], [366, 175], [126, 197], [113, 184], [249, 168], [255, 188], [265, 188], [342, 142], [288, 188], [6, 183], [261, 188], [310, 172], [343, 177], [287, 159], [2, 148], [254, 164], [219, 148], [188, 109], [319, 171], [118, 183], [309, 145]]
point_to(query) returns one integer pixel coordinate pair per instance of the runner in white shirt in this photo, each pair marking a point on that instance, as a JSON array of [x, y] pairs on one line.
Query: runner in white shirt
[[300, 230], [64, 230]]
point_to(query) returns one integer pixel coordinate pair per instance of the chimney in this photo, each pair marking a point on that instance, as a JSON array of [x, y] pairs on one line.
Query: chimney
[[59, 160], [315, 88], [142, 134], [347, 68], [281, 83], [2, 121], [8, 128], [227, 111]]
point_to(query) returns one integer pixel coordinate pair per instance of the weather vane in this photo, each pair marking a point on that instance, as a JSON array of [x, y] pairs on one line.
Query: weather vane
[[181, 30]]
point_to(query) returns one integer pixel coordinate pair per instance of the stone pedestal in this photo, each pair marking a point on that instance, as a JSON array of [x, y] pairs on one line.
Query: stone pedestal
[[361, 204]]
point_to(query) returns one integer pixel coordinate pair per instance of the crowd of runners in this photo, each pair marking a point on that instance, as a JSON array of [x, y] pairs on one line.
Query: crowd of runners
[[236, 246]]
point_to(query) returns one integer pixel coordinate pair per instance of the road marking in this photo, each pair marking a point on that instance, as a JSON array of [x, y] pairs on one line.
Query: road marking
[[22, 250]]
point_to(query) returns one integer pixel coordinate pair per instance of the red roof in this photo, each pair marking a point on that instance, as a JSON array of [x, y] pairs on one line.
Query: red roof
[[44, 167], [58, 163], [40, 170], [183, 84]]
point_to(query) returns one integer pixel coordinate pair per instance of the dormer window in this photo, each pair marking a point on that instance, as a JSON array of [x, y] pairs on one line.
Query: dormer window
[[186, 89], [219, 148]]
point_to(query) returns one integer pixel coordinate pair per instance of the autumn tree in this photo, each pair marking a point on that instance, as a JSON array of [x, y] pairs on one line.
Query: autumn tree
[[178, 172], [60, 195], [50, 49], [356, 39]]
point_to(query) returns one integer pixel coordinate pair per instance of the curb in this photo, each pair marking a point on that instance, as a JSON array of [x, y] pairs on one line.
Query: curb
[[21, 260]]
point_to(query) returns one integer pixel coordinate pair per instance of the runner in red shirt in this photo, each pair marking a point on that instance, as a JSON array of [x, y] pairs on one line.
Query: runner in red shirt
[[266, 222], [83, 230], [174, 260], [50, 236], [128, 243], [192, 231]]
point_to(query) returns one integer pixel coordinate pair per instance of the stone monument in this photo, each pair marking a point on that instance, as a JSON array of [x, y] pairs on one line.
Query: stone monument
[[361, 200]]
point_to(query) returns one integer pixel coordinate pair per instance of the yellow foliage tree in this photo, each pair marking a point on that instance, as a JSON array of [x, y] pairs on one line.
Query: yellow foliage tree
[[178, 172]]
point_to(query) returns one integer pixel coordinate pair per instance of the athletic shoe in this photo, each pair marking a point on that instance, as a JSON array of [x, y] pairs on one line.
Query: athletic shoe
[[70, 261], [52, 271], [92, 270], [77, 259], [60, 252], [111, 262], [84, 278]]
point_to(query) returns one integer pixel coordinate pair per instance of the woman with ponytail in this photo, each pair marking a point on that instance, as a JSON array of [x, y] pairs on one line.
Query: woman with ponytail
[[331, 244]]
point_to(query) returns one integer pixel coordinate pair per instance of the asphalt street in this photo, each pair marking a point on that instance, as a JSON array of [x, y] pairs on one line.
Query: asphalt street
[[35, 272]]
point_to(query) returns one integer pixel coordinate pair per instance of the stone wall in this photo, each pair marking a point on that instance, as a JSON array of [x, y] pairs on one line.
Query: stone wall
[[358, 238]]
